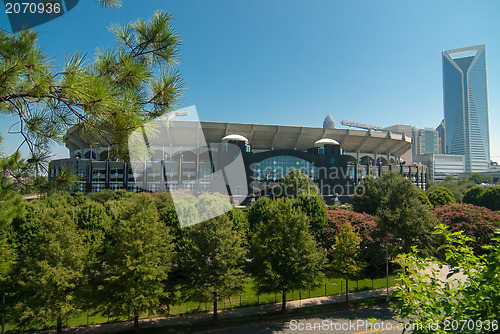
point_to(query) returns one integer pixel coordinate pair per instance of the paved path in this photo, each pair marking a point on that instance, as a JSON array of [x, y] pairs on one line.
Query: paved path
[[225, 314], [339, 322]]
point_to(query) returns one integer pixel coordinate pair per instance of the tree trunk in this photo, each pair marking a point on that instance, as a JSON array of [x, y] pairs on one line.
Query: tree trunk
[[215, 307], [283, 302], [347, 290], [136, 319], [59, 325]]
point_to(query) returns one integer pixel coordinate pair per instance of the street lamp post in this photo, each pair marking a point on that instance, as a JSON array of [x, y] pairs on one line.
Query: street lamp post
[[3, 315], [387, 298]]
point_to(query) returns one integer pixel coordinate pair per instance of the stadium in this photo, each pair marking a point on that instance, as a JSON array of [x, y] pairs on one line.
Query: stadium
[[191, 154]]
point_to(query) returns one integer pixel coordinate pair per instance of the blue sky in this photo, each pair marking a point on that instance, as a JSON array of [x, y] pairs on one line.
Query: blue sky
[[294, 61]]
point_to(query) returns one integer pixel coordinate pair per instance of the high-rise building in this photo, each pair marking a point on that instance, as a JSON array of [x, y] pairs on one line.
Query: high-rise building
[[466, 106], [441, 129], [441, 165], [424, 141]]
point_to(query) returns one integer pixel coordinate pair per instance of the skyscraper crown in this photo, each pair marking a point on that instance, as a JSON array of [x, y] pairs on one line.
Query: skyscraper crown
[[463, 58]]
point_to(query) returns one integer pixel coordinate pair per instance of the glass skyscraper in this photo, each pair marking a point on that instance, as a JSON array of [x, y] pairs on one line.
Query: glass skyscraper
[[466, 106]]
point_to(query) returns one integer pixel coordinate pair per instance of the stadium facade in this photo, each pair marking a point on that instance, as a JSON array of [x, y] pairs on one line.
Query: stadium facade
[[336, 159]]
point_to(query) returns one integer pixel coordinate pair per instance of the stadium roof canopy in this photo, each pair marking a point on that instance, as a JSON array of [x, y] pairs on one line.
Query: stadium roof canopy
[[301, 138], [275, 137]]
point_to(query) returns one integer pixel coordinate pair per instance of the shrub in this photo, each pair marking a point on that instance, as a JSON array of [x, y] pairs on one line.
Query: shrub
[[473, 195], [363, 224], [476, 222], [491, 198], [422, 197], [441, 196]]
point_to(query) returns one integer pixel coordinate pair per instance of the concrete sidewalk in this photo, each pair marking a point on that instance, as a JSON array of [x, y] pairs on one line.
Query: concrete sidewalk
[[225, 314]]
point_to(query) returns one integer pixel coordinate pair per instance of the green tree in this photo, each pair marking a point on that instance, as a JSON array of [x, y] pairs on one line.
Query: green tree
[[8, 254], [11, 203], [441, 196], [395, 200], [106, 195], [241, 225], [491, 198], [121, 90], [166, 210], [92, 218], [137, 259], [425, 200], [178, 276], [364, 226], [370, 192], [284, 253], [50, 269], [470, 296], [473, 195], [345, 256], [14, 173], [296, 183], [458, 186], [259, 212], [212, 205], [316, 210], [402, 215], [214, 261], [7, 261], [478, 178]]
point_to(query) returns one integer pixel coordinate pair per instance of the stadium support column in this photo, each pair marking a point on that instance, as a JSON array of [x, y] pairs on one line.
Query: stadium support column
[[422, 184], [125, 175], [89, 176], [356, 170], [108, 172], [162, 175]]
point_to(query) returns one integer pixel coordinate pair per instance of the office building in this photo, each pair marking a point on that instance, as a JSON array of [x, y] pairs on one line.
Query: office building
[[466, 106], [441, 165], [425, 141], [441, 130]]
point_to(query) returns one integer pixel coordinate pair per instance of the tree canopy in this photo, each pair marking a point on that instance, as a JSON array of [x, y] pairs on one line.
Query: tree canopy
[[467, 298], [491, 198], [441, 196], [457, 185], [284, 253], [395, 200], [137, 259], [296, 183], [214, 261], [119, 91], [481, 178], [50, 270], [473, 195], [345, 256]]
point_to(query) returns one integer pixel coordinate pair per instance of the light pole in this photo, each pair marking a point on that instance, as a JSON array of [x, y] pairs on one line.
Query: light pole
[[387, 298], [3, 315]]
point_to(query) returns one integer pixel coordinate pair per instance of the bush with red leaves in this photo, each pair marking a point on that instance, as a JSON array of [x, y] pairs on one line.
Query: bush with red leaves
[[476, 221], [362, 223]]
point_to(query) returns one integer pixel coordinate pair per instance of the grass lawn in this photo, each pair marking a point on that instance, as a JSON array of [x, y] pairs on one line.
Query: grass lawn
[[248, 297], [247, 320]]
